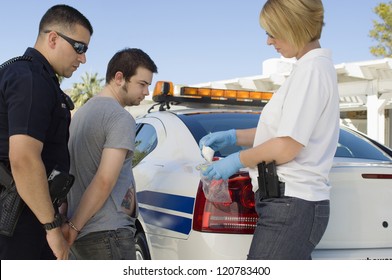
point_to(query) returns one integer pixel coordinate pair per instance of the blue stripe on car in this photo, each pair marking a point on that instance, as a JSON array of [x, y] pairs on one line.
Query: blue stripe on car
[[167, 201], [167, 221]]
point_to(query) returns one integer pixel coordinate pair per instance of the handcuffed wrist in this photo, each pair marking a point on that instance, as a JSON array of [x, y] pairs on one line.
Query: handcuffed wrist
[[71, 225]]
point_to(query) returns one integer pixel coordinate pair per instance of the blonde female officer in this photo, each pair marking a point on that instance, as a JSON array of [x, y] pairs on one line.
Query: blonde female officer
[[298, 129]]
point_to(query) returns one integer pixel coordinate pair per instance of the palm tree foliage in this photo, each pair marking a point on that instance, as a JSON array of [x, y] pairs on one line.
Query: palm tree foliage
[[382, 30], [82, 92], [60, 78]]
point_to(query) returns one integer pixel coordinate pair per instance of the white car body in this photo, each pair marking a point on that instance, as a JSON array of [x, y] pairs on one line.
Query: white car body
[[360, 225]]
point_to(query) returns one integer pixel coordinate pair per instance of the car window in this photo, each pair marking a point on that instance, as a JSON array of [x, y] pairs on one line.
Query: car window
[[204, 123], [350, 144], [145, 142], [354, 145]]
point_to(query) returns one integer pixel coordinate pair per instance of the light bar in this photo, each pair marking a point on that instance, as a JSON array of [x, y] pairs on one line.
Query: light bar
[[163, 87], [226, 93], [164, 95]]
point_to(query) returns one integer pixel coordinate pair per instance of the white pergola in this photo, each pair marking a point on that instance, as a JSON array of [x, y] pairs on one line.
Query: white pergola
[[363, 86]]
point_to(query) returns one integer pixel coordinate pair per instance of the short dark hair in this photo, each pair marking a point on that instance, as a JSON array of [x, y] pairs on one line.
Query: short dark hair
[[65, 16], [127, 61]]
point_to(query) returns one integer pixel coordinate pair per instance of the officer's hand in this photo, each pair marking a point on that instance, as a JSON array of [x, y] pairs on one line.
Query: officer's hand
[[219, 140], [57, 243], [224, 168], [65, 230]]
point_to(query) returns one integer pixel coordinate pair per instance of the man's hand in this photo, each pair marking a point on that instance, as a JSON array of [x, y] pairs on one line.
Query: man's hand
[[57, 243]]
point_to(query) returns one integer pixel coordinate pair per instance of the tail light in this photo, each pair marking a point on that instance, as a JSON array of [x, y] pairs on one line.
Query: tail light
[[238, 216], [377, 176]]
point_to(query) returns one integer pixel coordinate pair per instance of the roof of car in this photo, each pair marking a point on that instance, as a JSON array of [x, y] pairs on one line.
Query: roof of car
[[182, 110]]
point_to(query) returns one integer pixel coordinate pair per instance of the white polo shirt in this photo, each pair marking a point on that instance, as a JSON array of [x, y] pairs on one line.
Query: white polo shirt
[[305, 108]]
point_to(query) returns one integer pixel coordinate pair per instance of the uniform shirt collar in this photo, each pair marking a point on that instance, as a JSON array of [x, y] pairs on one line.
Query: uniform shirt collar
[[38, 56], [319, 52]]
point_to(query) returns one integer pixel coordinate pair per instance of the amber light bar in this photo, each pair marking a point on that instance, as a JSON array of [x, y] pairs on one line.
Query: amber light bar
[[163, 87], [226, 93], [164, 95]]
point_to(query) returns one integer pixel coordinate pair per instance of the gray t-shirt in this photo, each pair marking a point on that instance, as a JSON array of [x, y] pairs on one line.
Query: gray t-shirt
[[98, 124]]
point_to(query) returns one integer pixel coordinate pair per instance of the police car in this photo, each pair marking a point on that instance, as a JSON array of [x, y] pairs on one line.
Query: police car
[[176, 220]]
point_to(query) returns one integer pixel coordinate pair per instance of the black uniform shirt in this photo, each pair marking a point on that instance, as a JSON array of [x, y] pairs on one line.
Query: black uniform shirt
[[32, 103]]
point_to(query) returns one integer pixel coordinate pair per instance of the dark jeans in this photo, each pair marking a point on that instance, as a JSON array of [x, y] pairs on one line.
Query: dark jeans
[[105, 245], [28, 242], [288, 228]]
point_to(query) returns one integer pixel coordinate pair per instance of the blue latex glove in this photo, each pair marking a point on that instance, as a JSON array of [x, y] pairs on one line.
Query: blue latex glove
[[219, 140], [224, 168]]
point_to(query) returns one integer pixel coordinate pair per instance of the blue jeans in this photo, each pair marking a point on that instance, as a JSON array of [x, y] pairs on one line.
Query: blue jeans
[[105, 245], [288, 228]]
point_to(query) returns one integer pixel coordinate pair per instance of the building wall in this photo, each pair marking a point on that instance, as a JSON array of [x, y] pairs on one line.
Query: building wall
[[365, 90]]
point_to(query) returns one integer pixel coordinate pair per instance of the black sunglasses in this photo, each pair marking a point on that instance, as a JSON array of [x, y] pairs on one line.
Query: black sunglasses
[[79, 47]]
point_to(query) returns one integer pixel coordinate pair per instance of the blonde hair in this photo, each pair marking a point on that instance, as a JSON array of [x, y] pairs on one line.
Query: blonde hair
[[297, 22]]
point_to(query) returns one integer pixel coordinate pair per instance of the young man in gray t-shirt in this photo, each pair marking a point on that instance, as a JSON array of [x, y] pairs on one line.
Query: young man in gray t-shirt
[[102, 204]]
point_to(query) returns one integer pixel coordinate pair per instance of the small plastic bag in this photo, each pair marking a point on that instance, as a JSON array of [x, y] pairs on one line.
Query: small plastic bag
[[215, 190], [207, 153]]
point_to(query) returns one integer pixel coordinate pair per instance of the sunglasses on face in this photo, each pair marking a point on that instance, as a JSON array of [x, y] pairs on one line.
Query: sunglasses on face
[[79, 47]]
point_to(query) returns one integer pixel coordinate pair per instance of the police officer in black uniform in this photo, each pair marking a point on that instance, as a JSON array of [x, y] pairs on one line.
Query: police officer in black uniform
[[34, 122]]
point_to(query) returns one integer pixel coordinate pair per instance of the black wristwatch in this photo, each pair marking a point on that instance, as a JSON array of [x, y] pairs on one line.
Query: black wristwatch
[[57, 222]]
